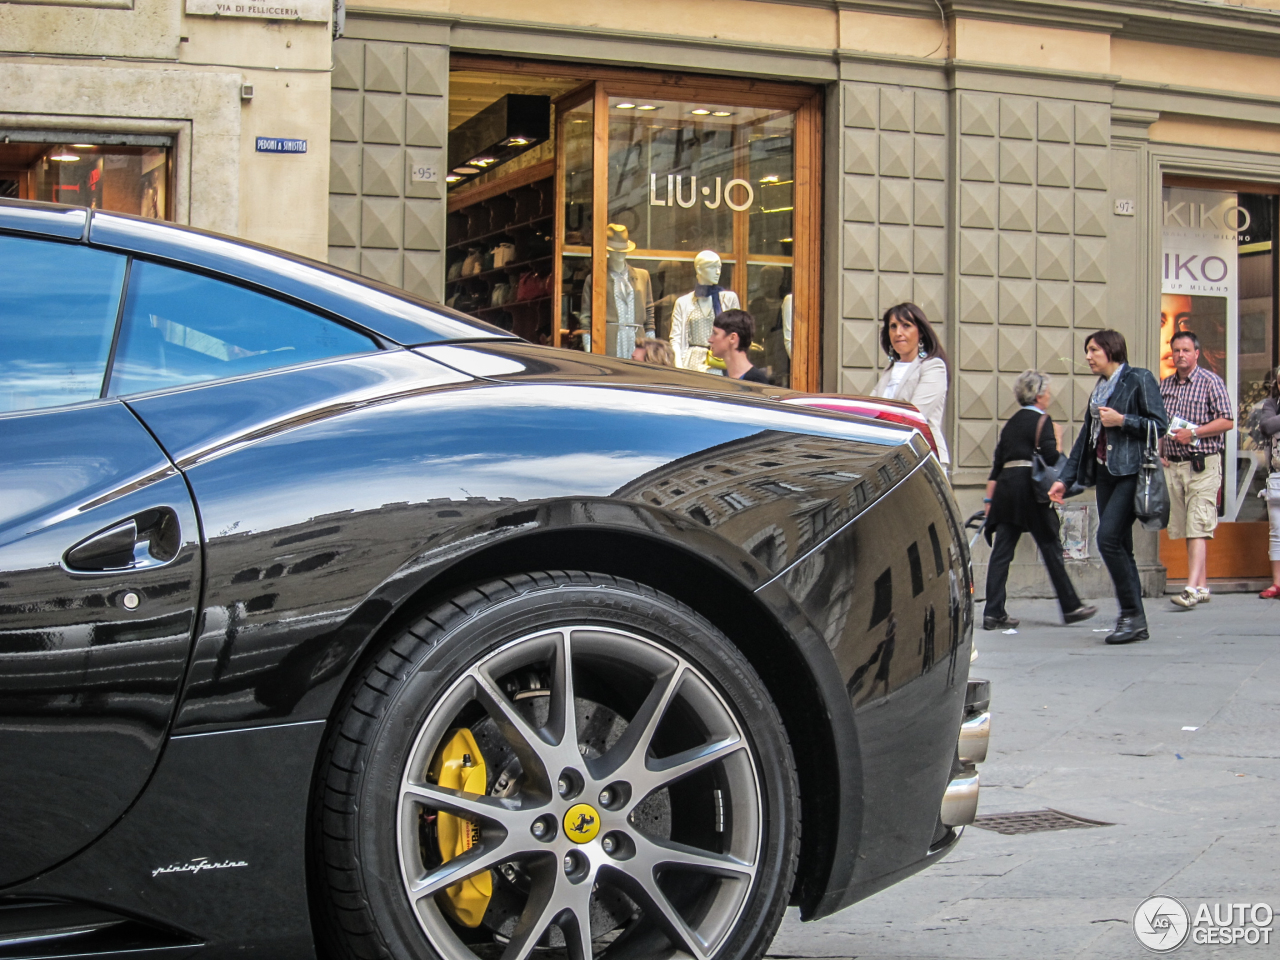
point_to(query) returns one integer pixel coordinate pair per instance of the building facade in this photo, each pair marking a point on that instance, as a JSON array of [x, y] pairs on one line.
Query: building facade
[[1025, 172], [150, 108]]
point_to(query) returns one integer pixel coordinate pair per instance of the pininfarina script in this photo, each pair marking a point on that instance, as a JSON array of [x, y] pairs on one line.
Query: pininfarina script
[[198, 864]]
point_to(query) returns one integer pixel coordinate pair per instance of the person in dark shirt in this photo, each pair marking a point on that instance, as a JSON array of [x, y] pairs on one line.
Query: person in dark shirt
[[730, 340]]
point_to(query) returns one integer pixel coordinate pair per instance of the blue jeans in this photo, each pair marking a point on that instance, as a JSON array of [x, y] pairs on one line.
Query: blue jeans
[[1115, 539]]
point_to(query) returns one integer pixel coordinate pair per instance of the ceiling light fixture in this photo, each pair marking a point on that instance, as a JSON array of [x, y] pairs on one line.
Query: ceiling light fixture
[[721, 113], [452, 178], [65, 157], [506, 128], [85, 146], [700, 112], [772, 178], [646, 106], [626, 106]]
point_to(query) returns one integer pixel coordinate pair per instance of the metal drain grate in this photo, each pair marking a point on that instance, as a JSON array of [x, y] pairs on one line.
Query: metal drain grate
[[1035, 821]]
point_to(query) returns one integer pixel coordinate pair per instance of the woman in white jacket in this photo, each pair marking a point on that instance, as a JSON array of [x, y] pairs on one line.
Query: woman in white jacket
[[918, 374]]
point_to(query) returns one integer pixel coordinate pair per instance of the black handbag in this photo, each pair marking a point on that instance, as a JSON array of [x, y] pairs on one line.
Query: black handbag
[[1151, 498], [1043, 476]]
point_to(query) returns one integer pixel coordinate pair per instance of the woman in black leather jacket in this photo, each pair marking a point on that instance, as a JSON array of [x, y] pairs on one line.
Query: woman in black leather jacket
[[1124, 407]]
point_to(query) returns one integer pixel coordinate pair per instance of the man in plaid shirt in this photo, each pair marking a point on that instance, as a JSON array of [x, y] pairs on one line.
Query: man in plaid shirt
[[1200, 414]]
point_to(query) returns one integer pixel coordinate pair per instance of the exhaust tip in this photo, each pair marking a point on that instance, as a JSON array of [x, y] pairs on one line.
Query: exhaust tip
[[975, 735], [960, 802]]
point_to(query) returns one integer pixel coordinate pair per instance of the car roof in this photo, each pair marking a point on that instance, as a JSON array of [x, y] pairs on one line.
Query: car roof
[[382, 309]]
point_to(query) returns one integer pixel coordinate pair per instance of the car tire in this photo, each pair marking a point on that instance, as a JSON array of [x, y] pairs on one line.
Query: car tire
[[675, 749]]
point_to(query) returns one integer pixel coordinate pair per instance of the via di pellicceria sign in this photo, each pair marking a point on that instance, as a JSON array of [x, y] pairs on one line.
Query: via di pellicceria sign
[[317, 10]]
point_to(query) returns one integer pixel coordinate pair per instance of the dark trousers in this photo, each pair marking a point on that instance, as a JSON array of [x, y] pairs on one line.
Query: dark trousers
[[1007, 536], [1115, 538]]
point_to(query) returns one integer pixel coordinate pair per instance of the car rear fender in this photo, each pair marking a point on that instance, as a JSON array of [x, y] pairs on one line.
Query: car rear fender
[[684, 559]]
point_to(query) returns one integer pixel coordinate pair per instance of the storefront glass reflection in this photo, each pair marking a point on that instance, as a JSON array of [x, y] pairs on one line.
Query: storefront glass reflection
[[687, 177], [122, 179], [1218, 282]]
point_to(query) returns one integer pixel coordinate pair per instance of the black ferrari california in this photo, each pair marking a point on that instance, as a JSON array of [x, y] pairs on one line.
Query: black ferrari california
[[335, 622]]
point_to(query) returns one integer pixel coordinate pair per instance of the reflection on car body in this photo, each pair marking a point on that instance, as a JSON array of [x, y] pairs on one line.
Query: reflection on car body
[[286, 544]]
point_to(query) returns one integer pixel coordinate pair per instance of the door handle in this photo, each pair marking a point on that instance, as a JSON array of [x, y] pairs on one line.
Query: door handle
[[144, 541]]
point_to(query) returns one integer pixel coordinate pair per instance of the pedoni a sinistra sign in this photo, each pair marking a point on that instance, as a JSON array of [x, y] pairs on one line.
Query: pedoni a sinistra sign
[[279, 145], [314, 10]]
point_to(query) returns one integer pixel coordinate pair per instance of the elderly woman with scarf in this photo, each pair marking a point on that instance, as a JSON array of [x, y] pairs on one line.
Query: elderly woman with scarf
[[1124, 409], [1013, 509]]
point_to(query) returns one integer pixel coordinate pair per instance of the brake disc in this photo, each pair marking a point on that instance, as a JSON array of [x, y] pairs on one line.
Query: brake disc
[[598, 729]]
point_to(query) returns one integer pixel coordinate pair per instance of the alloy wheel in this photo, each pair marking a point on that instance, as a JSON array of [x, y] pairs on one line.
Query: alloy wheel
[[621, 810]]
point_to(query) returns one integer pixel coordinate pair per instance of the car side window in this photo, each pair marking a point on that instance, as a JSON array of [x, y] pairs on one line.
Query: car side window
[[181, 327], [58, 306]]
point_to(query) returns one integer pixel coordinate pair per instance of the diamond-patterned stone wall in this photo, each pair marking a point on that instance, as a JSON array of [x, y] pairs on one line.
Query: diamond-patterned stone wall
[[1032, 198], [389, 116], [1011, 222], [895, 245]]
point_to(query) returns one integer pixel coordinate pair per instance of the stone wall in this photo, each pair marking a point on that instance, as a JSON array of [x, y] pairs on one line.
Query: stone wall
[[894, 236], [390, 114]]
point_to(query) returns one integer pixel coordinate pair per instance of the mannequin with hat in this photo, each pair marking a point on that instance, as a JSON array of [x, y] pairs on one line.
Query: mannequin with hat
[[695, 313], [628, 297]]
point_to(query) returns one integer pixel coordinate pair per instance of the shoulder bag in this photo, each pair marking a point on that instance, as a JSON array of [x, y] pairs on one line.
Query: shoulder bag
[[1043, 476], [1151, 498]]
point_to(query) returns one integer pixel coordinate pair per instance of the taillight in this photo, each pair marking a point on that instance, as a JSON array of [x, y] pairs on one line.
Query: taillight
[[906, 421], [871, 411]]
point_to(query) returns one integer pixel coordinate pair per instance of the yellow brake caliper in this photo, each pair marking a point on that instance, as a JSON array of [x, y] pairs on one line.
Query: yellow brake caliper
[[460, 766]]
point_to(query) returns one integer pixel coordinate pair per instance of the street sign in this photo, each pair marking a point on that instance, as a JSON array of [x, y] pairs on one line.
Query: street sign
[[280, 145], [314, 10]]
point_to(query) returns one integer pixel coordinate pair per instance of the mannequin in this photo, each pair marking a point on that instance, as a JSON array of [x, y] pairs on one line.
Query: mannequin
[[628, 315], [695, 312]]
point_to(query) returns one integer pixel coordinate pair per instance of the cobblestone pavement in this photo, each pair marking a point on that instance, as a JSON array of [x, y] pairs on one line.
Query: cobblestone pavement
[[1175, 741]]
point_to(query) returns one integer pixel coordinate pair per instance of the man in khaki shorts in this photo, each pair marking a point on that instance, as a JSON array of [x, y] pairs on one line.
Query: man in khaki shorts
[[1200, 414]]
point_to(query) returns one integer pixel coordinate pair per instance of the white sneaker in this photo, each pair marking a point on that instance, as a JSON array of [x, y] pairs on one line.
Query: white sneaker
[[1187, 598], [1202, 594]]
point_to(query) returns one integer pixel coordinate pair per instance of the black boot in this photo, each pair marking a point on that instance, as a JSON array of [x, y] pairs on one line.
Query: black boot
[[999, 623], [1129, 629]]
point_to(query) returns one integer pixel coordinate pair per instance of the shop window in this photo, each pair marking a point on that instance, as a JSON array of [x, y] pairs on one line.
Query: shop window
[[122, 178], [1219, 272], [693, 207], [643, 178], [499, 234], [691, 176]]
